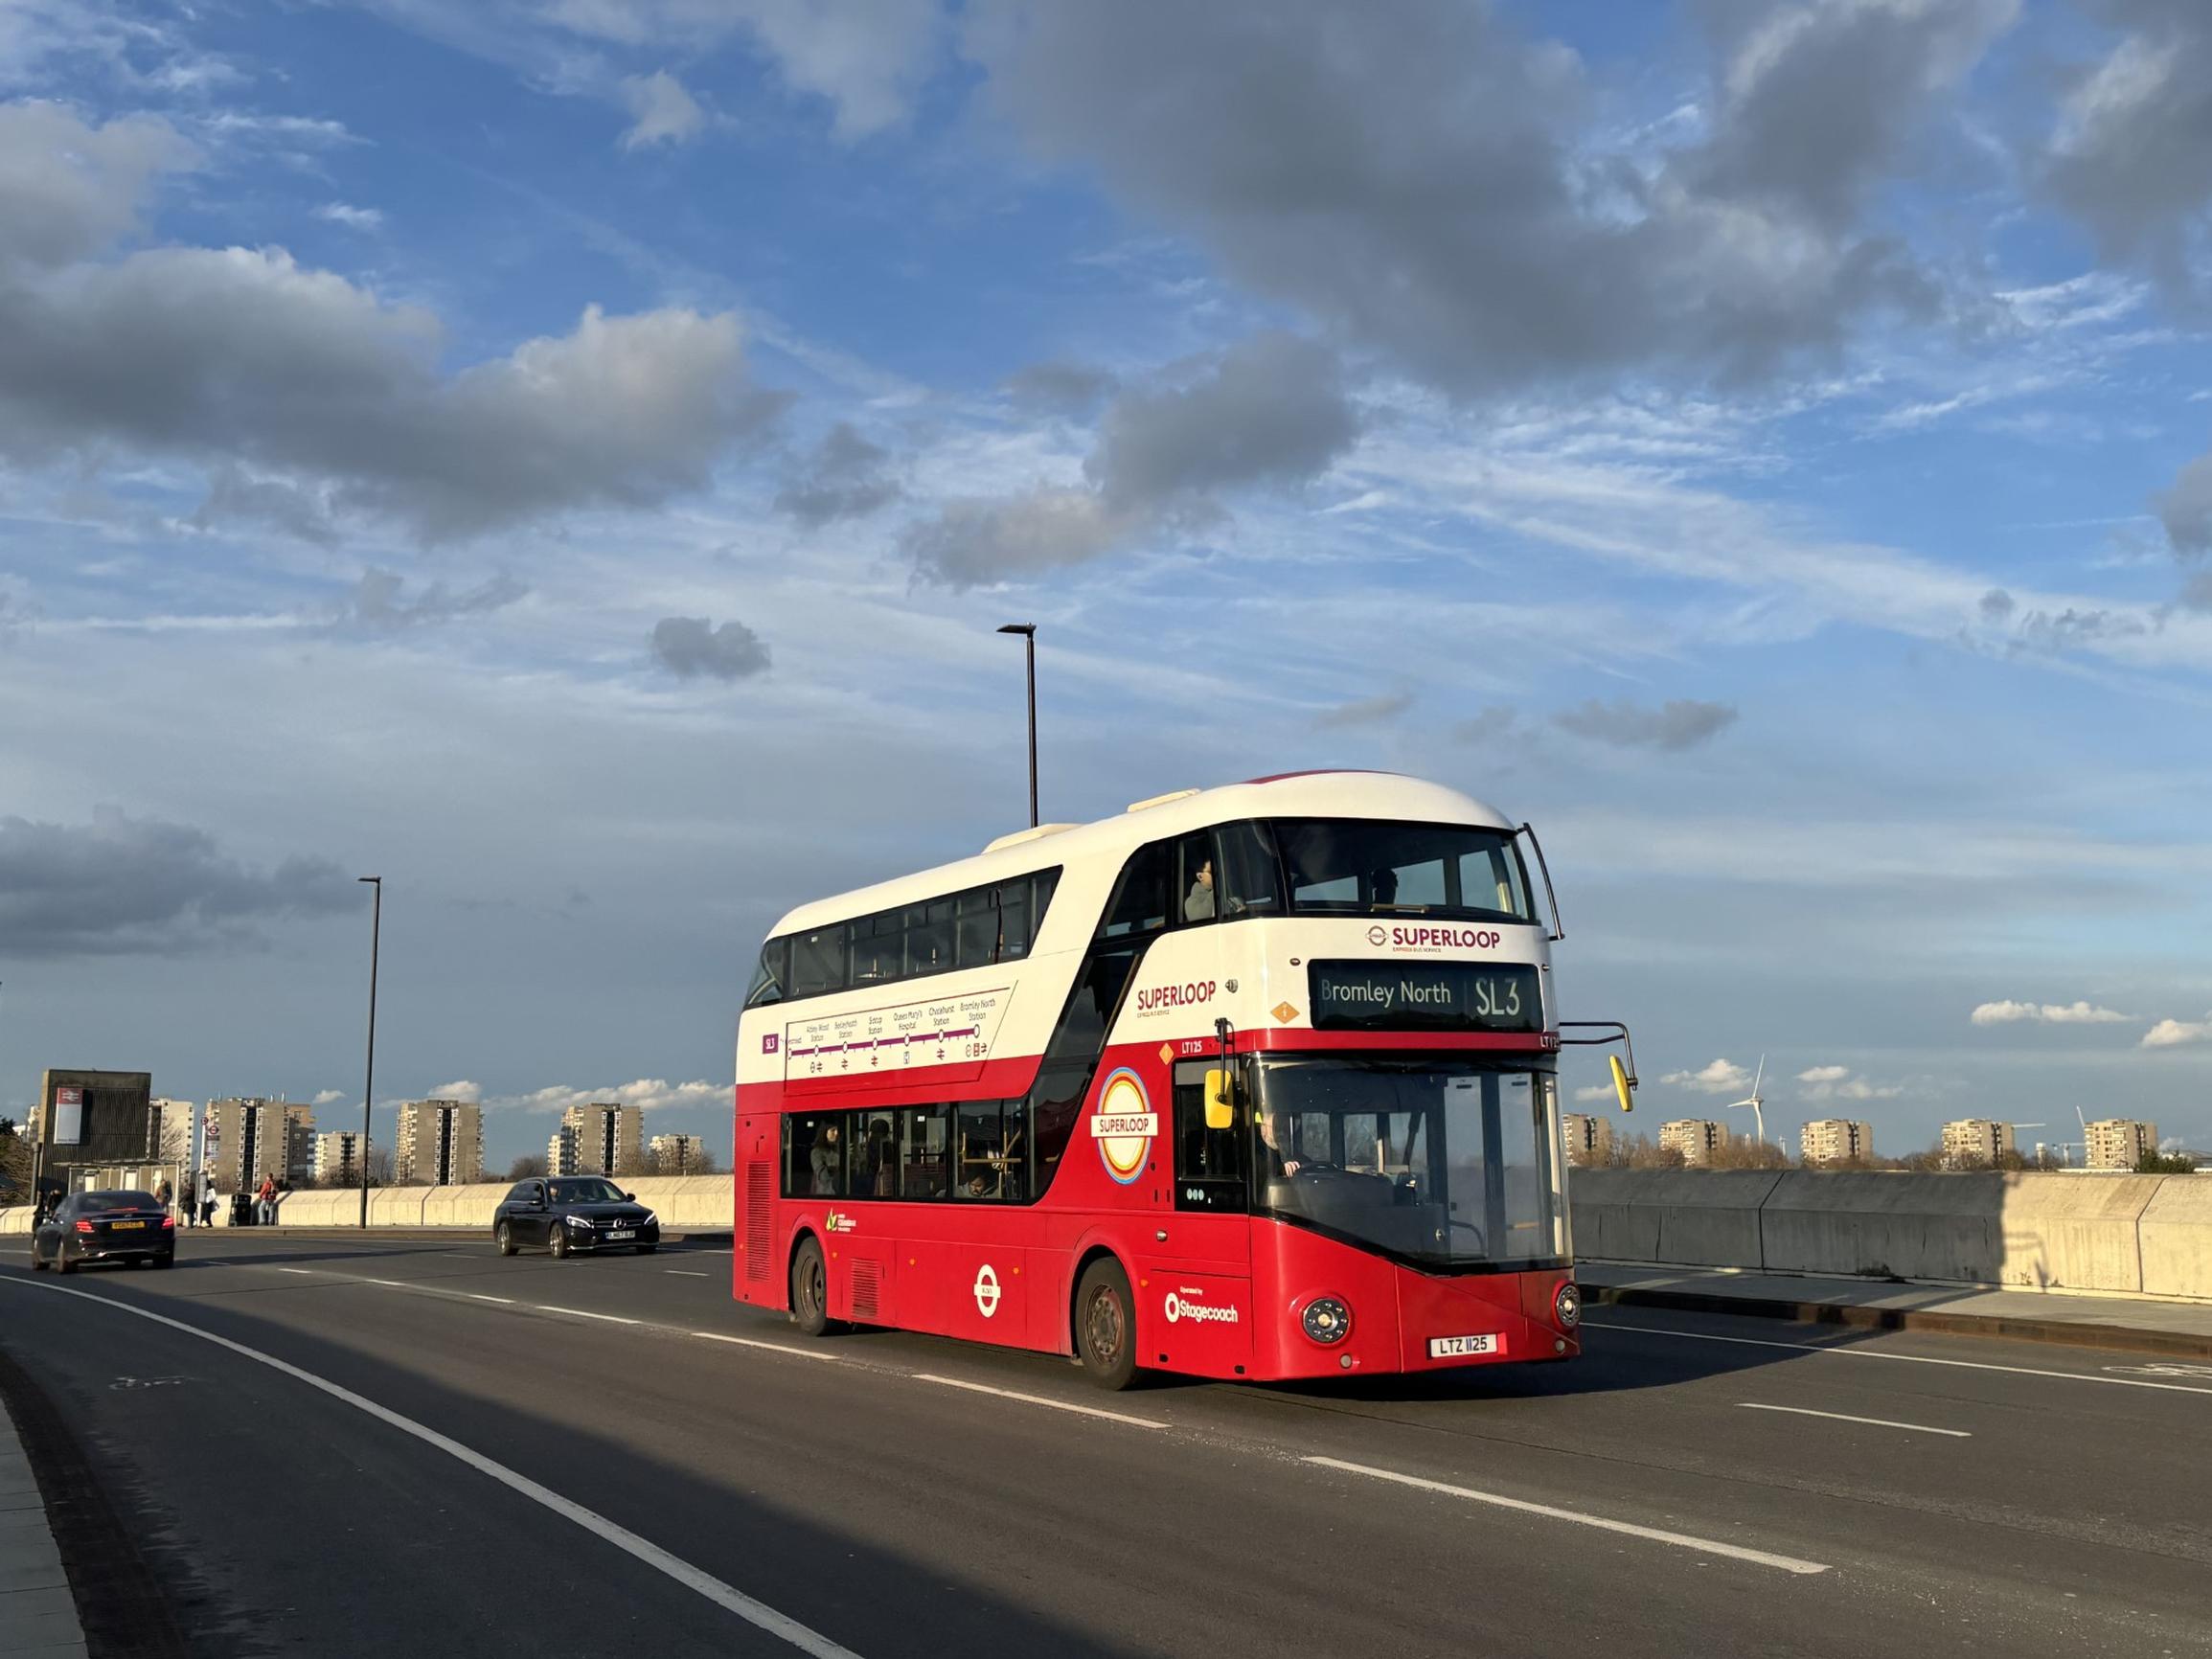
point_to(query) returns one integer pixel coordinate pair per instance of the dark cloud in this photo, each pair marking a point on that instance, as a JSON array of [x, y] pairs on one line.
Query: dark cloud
[[1270, 410], [845, 477], [1365, 711], [1996, 605], [122, 885], [379, 603], [2185, 508], [234, 498], [689, 646], [68, 189], [1677, 725], [1426, 181], [242, 359], [1059, 385], [2131, 155], [2196, 594], [2072, 628], [1489, 725]]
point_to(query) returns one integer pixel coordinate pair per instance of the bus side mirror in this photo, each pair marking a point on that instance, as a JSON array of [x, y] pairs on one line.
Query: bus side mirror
[[1221, 1102], [1624, 1085]]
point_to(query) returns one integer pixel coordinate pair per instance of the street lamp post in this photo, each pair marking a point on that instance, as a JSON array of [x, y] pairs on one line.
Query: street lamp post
[[1028, 631], [369, 1083]]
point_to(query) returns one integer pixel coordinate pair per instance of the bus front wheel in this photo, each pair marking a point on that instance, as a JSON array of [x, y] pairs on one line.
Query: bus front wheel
[[809, 1289], [1105, 1325]]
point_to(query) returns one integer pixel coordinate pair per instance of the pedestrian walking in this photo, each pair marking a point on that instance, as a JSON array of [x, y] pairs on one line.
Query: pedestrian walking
[[207, 1206], [265, 1211]]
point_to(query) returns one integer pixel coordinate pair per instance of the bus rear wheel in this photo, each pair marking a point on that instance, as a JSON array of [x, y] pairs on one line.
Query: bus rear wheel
[[809, 1289], [1105, 1325]]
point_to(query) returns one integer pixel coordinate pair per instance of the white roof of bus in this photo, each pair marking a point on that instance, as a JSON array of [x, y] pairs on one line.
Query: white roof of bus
[[1380, 795]]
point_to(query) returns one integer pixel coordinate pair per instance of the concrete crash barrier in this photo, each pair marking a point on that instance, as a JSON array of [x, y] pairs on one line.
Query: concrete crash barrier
[[2077, 1232], [1691, 1218], [2174, 1232], [1886, 1225], [16, 1219]]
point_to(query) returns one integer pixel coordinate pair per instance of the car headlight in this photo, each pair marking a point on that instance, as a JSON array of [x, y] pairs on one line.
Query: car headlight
[[649, 1219], [579, 1220], [1327, 1320], [1568, 1306]]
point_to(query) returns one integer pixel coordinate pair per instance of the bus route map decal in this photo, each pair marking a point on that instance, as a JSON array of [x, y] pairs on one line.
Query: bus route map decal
[[1124, 1126], [885, 1041]]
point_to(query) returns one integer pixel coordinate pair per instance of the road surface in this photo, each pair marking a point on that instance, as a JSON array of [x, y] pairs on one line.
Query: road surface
[[359, 1448]]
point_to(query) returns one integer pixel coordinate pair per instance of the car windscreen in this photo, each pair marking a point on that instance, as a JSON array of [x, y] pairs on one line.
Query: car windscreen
[[585, 1192]]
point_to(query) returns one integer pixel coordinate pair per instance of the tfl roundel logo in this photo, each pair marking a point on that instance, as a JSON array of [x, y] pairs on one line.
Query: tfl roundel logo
[[1377, 936], [1124, 1126]]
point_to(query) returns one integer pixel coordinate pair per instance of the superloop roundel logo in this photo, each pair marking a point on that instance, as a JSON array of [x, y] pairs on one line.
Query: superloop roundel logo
[[1124, 1126]]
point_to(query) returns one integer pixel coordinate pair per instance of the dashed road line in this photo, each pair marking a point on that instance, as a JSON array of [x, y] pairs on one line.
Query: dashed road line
[[771, 1346], [584, 1314], [1846, 1417], [1041, 1400], [1551, 1511], [1883, 1353]]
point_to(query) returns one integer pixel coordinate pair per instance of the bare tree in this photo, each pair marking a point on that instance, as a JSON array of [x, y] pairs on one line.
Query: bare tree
[[1738, 1152], [702, 1161], [14, 1160], [529, 1167], [639, 1163]]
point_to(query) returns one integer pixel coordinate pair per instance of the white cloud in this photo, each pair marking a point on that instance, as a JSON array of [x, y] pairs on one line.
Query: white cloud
[[1595, 1092], [1839, 1083], [463, 1090], [353, 218], [1723, 1077], [666, 113], [652, 1093], [330, 1096], [2048, 1013], [2170, 1034]]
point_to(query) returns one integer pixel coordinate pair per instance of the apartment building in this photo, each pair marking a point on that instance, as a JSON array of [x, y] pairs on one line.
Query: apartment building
[[170, 1128], [1696, 1139], [439, 1144], [338, 1158], [679, 1154], [248, 1136], [1836, 1141], [2117, 1143], [1970, 1141], [564, 1153], [609, 1138], [1590, 1138]]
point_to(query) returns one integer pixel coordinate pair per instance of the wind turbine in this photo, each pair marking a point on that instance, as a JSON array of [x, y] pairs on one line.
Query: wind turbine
[[1755, 1100]]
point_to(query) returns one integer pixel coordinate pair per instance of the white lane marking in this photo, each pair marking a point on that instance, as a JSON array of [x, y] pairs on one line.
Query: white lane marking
[[771, 1346], [1041, 1400], [585, 1314], [303, 1272], [683, 1273], [479, 1296], [1846, 1417], [1907, 1359], [1681, 1540], [757, 1614]]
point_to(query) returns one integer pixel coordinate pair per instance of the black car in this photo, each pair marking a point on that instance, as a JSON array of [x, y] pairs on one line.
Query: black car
[[120, 1226], [571, 1212]]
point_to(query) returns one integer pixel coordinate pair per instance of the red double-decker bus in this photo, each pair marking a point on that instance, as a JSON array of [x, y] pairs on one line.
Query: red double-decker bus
[[1256, 1081]]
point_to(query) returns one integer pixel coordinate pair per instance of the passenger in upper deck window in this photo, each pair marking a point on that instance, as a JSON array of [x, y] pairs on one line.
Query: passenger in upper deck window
[[1198, 902]]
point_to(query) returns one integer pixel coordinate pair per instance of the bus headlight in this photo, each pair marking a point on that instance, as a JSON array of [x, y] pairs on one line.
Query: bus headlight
[[1568, 1306], [1327, 1320]]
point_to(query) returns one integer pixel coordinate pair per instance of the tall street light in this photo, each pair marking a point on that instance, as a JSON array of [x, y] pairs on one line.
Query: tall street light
[[369, 1084], [1028, 631]]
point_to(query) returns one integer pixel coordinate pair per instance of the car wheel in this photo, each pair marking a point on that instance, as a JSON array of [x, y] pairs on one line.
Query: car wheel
[[558, 1241], [138, 1262], [62, 1263], [506, 1235], [646, 1249], [1105, 1325], [809, 1289], [37, 1266]]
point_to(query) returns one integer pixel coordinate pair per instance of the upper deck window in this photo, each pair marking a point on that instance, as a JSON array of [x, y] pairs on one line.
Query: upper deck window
[[1361, 867], [973, 928]]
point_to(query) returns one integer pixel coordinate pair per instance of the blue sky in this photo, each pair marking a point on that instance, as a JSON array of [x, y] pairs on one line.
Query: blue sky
[[569, 457]]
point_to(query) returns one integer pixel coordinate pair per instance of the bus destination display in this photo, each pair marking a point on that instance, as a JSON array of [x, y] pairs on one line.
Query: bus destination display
[[1439, 996]]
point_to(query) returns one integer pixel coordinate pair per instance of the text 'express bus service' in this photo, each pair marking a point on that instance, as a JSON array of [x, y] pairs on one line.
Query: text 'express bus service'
[[1257, 1082]]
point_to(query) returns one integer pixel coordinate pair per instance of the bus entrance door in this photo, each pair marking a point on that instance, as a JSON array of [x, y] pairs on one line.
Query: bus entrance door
[[1194, 1309]]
